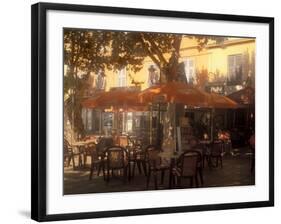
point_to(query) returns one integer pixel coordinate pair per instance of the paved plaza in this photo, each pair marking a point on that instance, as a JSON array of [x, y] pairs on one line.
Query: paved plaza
[[236, 171]]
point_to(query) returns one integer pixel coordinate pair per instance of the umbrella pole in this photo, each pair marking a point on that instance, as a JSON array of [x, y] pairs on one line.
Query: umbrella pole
[[72, 117], [175, 130], [234, 118], [100, 123], [158, 127], [159, 114], [126, 119], [117, 122], [212, 124], [150, 125]]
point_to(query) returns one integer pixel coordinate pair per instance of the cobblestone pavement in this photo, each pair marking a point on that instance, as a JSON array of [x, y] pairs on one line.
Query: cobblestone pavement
[[236, 171]]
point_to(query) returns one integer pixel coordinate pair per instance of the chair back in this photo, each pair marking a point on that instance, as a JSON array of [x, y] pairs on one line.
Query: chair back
[[123, 141], [116, 157], [90, 149], [66, 146], [188, 163], [131, 141], [217, 148], [65, 142], [136, 151], [103, 144], [152, 156], [65, 149]]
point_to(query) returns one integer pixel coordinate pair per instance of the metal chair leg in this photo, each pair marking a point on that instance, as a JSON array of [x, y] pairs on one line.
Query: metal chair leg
[[155, 180], [148, 179], [162, 176]]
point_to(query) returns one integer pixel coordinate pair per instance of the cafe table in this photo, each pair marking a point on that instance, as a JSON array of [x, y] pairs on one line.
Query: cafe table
[[80, 145], [83, 143]]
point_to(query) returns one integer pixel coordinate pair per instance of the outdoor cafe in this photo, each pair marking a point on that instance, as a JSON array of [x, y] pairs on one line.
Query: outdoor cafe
[[152, 134]]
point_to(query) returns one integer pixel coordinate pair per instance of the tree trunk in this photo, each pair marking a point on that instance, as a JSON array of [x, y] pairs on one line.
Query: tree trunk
[[173, 64]]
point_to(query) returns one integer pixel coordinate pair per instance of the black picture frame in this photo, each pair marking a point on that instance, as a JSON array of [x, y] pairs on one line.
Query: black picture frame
[[39, 108]]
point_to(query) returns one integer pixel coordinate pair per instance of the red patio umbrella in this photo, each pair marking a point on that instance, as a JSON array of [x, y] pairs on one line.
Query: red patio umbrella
[[221, 102], [120, 99], [175, 92]]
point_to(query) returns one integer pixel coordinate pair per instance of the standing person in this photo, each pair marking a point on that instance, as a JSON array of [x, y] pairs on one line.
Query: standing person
[[160, 136], [252, 145], [252, 141]]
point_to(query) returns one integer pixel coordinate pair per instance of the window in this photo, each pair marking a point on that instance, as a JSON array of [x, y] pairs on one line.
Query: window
[[122, 81], [100, 80], [189, 67], [141, 120], [84, 116], [153, 75], [235, 69], [129, 124], [91, 120], [107, 120]]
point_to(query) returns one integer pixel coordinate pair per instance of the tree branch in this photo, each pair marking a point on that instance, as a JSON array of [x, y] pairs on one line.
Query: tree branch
[[172, 68], [149, 53], [156, 49]]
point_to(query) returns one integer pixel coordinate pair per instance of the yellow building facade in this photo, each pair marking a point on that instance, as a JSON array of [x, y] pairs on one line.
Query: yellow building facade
[[230, 63]]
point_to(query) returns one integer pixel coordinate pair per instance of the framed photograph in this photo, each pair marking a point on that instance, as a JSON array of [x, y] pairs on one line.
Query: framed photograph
[[140, 111]]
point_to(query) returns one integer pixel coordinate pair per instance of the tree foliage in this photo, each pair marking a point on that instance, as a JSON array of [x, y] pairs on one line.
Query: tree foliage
[[202, 78], [84, 52], [87, 51]]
